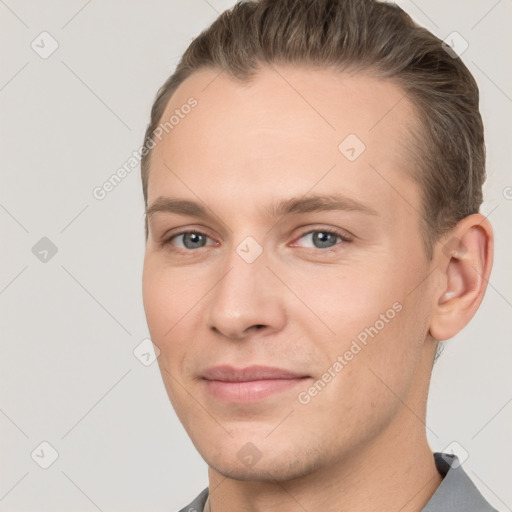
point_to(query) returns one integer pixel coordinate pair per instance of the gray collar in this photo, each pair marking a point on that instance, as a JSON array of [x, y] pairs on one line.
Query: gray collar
[[457, 493]]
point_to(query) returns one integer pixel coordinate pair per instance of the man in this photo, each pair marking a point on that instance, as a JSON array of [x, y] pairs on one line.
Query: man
[[312, 178]]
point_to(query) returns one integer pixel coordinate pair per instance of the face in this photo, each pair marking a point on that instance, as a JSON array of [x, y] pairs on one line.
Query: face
[[332, 291]]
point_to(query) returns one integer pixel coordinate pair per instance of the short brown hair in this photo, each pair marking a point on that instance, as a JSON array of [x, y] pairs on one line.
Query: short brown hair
[[359, 35]]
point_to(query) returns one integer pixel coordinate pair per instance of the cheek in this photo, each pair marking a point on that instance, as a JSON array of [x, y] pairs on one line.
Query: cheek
[[155, 295], [165, 303], [368, 369], [364, 321], [345, 302], [172, 304]]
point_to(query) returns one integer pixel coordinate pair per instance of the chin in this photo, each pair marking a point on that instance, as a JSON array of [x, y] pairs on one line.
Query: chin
[[276, 466], [269, 472]]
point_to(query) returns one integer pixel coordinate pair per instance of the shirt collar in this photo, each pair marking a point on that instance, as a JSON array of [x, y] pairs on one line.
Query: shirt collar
[[457, 493]]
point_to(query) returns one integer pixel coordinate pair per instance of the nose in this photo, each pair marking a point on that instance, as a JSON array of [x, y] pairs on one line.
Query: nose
[[247, 298]]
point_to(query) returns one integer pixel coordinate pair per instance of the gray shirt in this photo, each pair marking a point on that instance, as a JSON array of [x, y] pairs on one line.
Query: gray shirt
[[457, 493]]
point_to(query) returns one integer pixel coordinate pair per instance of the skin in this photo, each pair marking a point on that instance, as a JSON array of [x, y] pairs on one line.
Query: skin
[[243, 147]]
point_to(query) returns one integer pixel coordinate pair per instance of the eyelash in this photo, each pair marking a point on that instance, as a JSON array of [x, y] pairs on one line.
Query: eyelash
[[344, 238]]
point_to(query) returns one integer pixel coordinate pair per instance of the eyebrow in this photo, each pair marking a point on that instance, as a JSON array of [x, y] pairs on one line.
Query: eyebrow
[[286, 207]]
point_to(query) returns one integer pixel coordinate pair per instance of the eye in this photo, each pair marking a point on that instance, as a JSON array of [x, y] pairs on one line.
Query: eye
[[189, 240], [324, 238]]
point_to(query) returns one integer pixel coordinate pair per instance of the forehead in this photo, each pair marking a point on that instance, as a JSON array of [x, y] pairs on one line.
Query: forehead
[[287, 131]]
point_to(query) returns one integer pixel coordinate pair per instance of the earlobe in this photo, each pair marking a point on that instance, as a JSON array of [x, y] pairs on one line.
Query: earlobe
[[465, 260]]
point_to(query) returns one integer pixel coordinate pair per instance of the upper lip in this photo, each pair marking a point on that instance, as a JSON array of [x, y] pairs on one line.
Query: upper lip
[[230, 374]]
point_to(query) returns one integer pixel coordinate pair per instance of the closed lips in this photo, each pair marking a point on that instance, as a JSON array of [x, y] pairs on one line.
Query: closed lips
[[227, 373]]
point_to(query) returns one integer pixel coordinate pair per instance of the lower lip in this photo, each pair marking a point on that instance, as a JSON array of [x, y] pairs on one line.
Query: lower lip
[[249, 391]]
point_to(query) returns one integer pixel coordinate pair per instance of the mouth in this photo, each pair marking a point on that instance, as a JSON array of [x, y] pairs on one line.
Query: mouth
[[250, 384]]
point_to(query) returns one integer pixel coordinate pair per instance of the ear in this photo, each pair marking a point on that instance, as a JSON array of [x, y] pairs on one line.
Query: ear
[[464, 258]]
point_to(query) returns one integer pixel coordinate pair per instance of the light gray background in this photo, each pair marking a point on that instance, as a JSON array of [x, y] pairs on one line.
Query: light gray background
[[69, 326]]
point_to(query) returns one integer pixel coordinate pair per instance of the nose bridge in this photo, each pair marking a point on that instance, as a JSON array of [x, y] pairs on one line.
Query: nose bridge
[[247, 293]]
